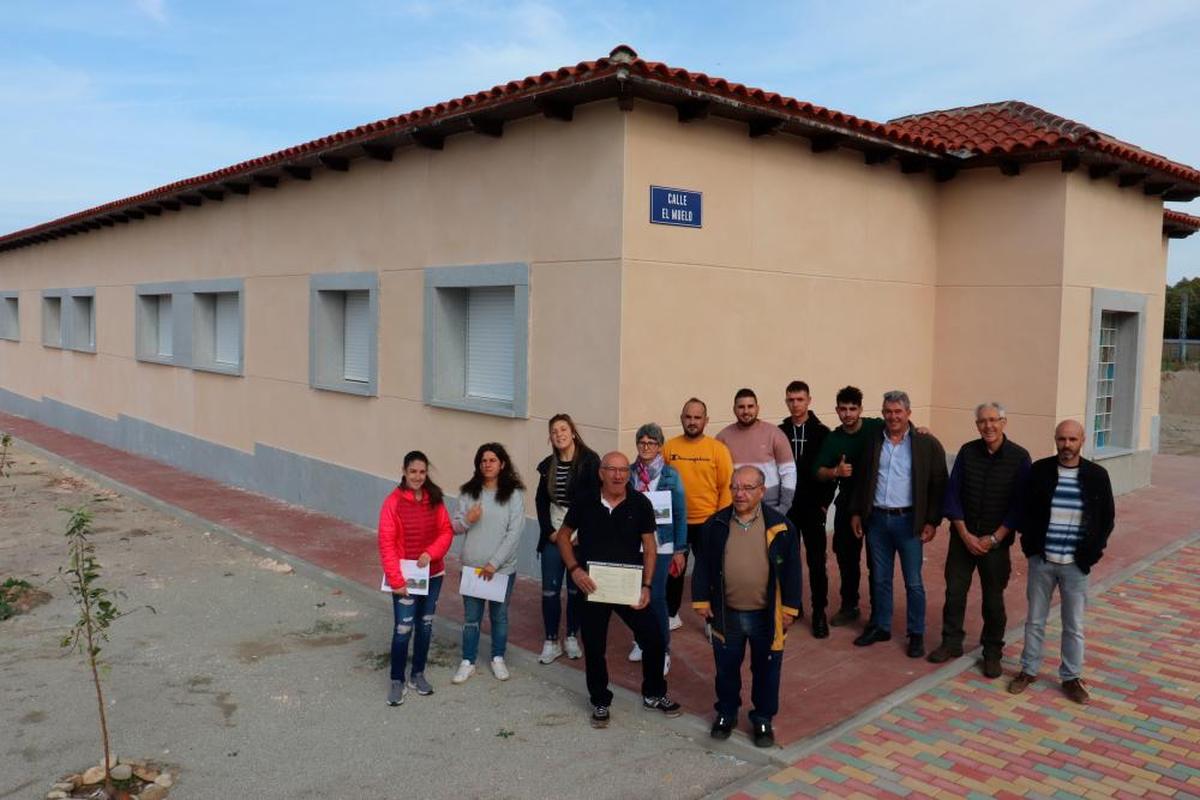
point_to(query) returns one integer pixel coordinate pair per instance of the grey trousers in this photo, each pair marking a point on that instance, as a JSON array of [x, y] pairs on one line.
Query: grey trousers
[[1072, 586]]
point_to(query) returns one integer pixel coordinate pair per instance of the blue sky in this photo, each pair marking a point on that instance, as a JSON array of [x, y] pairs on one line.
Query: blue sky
[[103, 100]]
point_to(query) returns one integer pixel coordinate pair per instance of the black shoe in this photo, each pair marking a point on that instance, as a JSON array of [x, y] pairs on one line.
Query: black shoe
[[844, 616], [991, 666], [872, 635], [764, 734], [916, 645], [664, 704], [820, 626], [722, 726], [943, 653], [599, 716]]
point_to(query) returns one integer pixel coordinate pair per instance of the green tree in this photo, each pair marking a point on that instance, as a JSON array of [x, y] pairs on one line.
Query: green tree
[[1190, 287]]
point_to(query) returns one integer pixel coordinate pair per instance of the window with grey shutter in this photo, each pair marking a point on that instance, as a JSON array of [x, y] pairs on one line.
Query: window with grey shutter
[[356, 337], [490, 343], [164, 336], [10, 320], [226, 343]]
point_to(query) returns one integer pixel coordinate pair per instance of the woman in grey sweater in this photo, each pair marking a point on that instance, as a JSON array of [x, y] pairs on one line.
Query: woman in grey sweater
[[491, 513]]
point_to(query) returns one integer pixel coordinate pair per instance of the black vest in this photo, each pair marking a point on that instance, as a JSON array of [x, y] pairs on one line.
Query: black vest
[[988, 483]]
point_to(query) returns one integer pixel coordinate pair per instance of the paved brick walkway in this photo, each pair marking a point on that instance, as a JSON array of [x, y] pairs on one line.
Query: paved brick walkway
[[1139, 737]]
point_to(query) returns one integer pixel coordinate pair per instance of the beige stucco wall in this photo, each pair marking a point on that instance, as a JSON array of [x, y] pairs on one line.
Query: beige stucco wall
[[808, 266], [546, 193]]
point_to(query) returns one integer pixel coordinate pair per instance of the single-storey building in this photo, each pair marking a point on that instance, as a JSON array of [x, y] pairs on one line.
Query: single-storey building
[[606, 239]]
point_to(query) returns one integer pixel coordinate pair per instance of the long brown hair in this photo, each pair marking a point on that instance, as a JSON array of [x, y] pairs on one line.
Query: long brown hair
[[432, 489], [507, 482], [581, 449]]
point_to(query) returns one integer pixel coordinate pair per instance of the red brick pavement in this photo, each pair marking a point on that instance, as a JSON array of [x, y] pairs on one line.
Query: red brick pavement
[[824, 682]]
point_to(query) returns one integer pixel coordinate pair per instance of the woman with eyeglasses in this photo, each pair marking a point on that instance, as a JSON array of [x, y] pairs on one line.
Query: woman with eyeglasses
[[570, 472], [651, 474]]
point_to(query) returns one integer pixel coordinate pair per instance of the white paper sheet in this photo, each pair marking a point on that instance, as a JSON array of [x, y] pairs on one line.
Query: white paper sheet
[[662, 507], [416, 579], [619, 584], [472, 585]]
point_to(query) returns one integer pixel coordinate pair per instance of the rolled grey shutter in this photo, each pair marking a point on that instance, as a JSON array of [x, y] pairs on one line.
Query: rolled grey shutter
[[165, 326], [227, 333], [356, 362], [490, 343]]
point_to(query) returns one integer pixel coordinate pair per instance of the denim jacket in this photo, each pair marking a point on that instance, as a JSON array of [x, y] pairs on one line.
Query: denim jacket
[[669, 480]]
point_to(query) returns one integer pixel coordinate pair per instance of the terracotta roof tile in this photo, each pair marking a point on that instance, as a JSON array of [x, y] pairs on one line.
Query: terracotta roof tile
[[1181, 220]]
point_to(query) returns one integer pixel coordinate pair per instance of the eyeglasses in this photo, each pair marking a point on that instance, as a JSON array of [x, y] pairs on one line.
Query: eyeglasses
[[750, 487], [618, 470], [993, 420], [649, 443]]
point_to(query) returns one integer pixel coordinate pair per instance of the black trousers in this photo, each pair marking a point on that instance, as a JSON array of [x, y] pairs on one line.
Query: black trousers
[[675, 582], [810, 521], [594, 630], [995, 567], [847, 548]]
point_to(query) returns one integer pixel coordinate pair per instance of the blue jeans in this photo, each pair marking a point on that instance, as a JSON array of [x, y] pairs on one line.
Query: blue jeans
[[473, 616], [758, 629], [553, 572], [887, 535], [1072, 588], [658, 597], [405, 611]]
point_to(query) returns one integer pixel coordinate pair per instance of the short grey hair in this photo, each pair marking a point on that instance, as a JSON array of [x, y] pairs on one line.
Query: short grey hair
[[762, 476], [1000, 410], [897, 396], [651, 430]]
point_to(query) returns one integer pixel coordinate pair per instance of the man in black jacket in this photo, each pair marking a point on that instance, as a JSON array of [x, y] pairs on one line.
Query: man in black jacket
[[1068, 516], [810, 505], [983, 506], [747, 584]]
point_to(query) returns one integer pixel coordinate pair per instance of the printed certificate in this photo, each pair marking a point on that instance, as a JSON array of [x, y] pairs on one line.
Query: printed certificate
[[473, 585], [662, 506], [416, 579], [619, 584]]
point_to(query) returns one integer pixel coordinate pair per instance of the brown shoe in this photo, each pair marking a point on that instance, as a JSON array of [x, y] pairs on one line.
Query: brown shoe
[[943, 653], [1021, 683], [991, 667], [1075, 692]]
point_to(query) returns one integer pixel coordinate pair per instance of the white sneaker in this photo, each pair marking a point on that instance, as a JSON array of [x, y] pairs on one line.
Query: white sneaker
[[636, 653], [550, 651], [572, 648], [465, 670], [674, 623], [666, 665], [500, 669]]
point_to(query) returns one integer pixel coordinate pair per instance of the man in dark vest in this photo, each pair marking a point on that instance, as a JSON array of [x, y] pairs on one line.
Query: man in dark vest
[[982, 503]]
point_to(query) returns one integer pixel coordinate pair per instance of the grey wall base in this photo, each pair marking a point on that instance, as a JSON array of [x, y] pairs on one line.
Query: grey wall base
[[338, 491], [1128, 471]]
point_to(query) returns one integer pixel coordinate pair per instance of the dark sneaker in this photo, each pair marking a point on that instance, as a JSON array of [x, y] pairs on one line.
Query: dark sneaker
[[418, 684], [916, 646], [1020, 683], [396, 693], [599, 716], [722, 726], [764, 734], [844, 616], [872, 635], [1075, 691], [943, 653], [991, 667], [664, 704], [820, 626]]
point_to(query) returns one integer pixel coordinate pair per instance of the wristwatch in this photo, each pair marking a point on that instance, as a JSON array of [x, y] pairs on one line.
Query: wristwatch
[[995, 541], [646, 586]]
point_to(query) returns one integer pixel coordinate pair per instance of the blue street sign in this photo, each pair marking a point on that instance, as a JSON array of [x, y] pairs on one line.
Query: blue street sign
[[675, 206]]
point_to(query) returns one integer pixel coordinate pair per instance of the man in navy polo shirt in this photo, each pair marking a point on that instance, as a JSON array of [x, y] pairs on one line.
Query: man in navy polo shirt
[[617, 527]]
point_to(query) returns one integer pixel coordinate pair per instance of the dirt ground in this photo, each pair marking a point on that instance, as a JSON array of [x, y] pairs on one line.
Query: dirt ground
[[255, 682], [1179, 405]]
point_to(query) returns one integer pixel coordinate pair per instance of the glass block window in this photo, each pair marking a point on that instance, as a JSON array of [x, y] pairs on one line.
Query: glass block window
[[1106, 380]]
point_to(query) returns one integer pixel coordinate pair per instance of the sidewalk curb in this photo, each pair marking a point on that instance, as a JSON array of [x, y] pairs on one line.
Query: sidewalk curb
[[689, 726]]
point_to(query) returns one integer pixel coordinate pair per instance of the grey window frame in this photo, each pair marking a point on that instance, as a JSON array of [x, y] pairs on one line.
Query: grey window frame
[[67, 319], [5, 297], [180, 327], [444, 367], [325, 339], [1127, 391], [199, 361]]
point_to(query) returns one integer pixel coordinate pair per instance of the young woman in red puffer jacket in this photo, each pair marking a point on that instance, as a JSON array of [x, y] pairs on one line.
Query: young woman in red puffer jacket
[[413, 525]]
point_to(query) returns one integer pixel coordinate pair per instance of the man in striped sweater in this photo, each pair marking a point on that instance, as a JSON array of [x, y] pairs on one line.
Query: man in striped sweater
[[1068, 516]]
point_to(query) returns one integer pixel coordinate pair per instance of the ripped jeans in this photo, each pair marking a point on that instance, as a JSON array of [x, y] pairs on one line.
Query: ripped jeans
[[553, 575], [473, 617], [409, 612]]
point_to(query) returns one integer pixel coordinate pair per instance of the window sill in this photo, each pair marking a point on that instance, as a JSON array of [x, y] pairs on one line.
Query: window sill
[[1112, 452], [219, 369], [346, 387], [495, 408], [10, 338], [166, 361]]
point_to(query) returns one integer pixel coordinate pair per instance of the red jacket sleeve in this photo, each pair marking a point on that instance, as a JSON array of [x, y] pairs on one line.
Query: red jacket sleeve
[[444, 535], [391, 542]]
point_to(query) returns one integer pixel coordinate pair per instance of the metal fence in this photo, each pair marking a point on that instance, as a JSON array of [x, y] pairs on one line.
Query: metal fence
[[1181, 352]]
